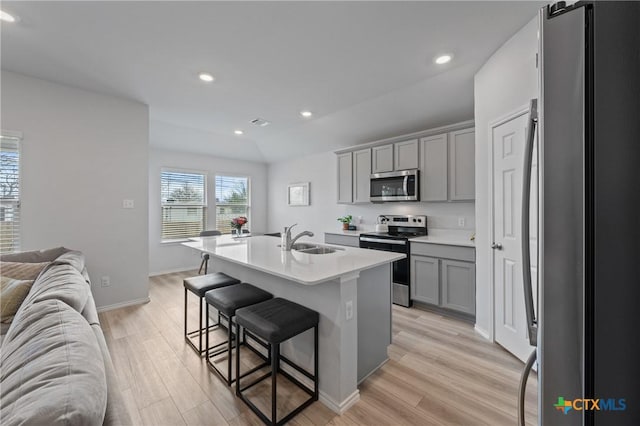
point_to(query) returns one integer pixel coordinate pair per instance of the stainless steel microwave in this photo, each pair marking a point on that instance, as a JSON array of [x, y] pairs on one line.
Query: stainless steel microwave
[[395, 186]]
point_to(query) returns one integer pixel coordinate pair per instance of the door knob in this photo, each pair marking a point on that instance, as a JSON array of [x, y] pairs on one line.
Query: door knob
[[496, 246]]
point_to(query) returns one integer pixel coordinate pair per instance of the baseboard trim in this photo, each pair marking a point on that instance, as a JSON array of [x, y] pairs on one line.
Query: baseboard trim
[[170, 271], [482, 332], [340, 408], [123, 304]]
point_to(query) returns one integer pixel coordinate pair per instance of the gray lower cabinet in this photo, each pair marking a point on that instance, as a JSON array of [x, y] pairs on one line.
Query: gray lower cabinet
[[425, 279], [444, 276], [458, 286]]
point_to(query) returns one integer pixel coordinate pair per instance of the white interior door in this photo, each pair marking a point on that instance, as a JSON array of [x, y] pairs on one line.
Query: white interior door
[[508, 141]]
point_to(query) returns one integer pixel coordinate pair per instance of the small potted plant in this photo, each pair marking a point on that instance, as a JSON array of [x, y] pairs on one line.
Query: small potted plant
[[237, 224], [346, 220]]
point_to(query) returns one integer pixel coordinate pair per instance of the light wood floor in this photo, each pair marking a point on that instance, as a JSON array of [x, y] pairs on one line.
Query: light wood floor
[[439, 373]]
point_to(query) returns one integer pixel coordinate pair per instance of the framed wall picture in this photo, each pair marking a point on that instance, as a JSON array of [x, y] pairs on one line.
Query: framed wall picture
[[298, 194]]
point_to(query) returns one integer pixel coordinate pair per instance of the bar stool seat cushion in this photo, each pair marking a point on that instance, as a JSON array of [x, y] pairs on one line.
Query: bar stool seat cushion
[[200, 284], [228, 299], [277, 320]]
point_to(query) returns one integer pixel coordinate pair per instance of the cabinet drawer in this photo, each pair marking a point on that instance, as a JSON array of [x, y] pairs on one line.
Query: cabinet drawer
[[467, 254], [342, 240]]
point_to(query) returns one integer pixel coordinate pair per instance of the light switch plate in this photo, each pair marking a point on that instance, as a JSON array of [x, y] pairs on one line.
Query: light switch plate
[[127, 204]]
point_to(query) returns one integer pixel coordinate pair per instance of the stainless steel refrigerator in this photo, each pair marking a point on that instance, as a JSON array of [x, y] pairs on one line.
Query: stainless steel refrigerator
[[585, 317]]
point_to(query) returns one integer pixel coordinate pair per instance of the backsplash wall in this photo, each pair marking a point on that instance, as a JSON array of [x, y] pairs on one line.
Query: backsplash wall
[[321, 215]]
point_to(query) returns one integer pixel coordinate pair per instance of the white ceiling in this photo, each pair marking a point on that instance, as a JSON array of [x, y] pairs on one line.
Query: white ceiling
[[364, 68]]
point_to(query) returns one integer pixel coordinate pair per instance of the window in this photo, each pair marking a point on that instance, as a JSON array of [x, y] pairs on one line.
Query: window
[[232, 200], [9, 193], [184, 204]]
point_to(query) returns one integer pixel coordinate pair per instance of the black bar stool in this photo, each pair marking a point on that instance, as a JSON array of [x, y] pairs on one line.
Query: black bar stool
[[205, 256], [199, 285], [275, 321], [226, 301]]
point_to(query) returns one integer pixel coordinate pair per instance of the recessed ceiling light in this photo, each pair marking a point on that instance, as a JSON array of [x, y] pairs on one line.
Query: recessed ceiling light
[[306, 114], [205, 76], [6, 17], [443, 59], [238, 132]]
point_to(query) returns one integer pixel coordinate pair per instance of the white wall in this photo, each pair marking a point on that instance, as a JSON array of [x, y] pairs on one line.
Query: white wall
[[166, 257], [82, 154], [505, 83], [321, 215]]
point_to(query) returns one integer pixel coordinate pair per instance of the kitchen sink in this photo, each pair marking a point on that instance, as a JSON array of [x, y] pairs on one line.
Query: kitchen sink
[[303, 246], [318, 250]]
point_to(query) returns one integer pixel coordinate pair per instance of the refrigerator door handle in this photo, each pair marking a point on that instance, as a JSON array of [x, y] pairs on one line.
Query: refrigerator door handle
[[532, 326]]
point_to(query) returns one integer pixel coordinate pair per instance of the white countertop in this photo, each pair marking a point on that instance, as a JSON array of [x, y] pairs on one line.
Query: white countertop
[[262, 253], [446, 237]]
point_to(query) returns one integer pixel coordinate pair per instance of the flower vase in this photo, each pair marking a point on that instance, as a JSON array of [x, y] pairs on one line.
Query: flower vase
[[238, 232]]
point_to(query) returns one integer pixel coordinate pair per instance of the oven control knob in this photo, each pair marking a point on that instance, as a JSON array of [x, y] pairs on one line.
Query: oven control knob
[[414, 220], [419, 220]]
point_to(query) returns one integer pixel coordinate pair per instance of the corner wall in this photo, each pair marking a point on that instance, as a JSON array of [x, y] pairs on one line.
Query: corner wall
[[82, 154], [506, 82], [169, 257]]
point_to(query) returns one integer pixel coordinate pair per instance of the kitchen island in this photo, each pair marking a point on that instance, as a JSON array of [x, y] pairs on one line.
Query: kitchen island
[[350, 289]]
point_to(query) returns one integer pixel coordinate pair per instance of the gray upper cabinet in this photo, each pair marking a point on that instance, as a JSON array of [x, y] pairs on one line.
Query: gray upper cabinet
[[459, 286], [425, 285], [447, 166], [434, 168], [382, 159], [361, 175], [406, 155], [462, 165], [345, 177]]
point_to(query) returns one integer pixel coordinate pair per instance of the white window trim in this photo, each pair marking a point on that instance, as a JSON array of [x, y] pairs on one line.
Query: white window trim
[[205, 202], [18, 135], [250, 198]]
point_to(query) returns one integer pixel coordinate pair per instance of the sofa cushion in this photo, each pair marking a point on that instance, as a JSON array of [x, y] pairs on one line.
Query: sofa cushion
[[60, 282], [52, 369], [12, 294], [22, 270], [34, 256]]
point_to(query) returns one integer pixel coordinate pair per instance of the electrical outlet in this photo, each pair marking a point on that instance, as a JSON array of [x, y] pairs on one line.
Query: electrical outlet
[[105, 281], [359, 219], [461, 222], [127, 204], [349, 310]]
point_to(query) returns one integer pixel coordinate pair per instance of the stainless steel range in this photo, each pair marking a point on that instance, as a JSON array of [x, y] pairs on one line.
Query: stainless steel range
[[401, 228]]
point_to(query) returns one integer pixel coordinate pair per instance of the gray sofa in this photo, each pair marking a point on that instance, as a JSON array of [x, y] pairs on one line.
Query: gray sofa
[[55, 367]]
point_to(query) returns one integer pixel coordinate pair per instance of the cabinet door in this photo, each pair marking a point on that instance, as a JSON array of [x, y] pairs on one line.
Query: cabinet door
[[462, 165], [434, 168], [406, 155], [425, 280], [345, 178], [382, 159], [459, 286], [361, 175]]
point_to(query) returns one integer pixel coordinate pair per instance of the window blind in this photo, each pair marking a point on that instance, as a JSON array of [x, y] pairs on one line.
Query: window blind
[[184, 204], [232, 200], [9, 194]]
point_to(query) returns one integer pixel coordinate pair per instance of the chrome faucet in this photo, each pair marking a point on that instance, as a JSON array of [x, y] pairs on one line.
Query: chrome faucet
[[287, 241]]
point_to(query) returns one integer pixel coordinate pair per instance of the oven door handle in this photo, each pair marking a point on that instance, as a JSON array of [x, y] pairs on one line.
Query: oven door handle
[[377, 240]]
